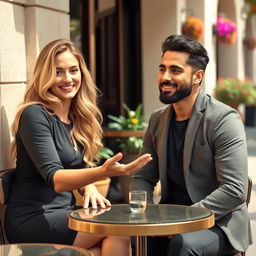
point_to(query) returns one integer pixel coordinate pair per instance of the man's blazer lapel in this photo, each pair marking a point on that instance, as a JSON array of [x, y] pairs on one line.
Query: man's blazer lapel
[[162, 142], [192, 128]]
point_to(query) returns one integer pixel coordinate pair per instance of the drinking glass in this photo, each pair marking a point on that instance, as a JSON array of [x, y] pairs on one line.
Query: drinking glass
[[137, 201]]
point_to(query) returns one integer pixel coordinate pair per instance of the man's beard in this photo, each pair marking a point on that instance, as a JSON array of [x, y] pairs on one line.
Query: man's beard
[[167, 98]]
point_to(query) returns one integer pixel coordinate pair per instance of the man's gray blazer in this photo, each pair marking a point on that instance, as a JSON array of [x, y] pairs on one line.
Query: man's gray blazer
[[214, 160]]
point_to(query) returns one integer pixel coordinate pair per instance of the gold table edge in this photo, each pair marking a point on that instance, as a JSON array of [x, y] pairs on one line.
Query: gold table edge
[[141, 229]]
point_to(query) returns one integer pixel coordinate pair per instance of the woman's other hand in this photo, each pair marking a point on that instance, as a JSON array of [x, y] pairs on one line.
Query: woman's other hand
[[93, 196], [113, 168]]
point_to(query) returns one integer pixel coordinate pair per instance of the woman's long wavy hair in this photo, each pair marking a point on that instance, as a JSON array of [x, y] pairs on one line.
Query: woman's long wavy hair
[[84, 112]]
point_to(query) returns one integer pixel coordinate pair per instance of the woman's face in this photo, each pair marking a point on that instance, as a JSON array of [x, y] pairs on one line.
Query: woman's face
[[68, 77]]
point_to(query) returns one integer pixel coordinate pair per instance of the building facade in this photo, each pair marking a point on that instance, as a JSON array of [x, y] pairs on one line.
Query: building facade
[[125, 36], [26, 26]]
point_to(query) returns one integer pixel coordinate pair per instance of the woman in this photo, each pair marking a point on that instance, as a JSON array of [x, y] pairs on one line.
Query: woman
[[58, 134]]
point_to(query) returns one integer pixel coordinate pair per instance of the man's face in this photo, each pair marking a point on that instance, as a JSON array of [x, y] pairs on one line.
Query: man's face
[[175, 77]]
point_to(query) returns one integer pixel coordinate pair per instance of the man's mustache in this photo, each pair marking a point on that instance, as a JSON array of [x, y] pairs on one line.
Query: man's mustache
[[168, 83]]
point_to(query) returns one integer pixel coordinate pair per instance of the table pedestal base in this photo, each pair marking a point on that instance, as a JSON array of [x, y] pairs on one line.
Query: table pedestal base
[[141, 246]]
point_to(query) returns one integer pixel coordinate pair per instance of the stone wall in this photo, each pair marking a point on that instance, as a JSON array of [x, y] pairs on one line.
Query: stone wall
[[26, 26]]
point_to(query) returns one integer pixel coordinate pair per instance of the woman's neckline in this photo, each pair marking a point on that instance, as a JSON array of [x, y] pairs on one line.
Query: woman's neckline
[[66, 124]]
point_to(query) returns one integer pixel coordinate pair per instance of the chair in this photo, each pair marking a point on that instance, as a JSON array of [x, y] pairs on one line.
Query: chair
[[249, 191], [248, 198], [6, 179]]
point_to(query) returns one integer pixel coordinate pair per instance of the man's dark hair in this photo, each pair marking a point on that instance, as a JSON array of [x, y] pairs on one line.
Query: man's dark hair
[[198, 56]]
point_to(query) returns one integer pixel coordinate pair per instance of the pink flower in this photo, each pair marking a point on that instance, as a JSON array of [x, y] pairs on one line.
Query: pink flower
[[225, 26], [226, 29]]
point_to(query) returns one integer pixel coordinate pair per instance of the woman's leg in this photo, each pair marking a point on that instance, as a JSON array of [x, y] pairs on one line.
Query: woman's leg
[[110, 245], [96, 251], [116, 246], [87, 241]]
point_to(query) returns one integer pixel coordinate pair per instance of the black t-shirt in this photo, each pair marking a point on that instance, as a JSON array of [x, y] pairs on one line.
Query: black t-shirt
[[178, 193]]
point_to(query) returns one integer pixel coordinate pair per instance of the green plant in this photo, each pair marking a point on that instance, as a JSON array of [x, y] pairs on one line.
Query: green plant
[[105, 153], [233, 91], [133, 120]]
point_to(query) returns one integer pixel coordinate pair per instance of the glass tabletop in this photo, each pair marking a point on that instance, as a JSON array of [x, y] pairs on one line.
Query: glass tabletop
[[154, 214], [161, 219]]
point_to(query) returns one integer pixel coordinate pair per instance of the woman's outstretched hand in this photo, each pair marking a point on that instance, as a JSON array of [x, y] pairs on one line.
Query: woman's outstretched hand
[[113, 168]]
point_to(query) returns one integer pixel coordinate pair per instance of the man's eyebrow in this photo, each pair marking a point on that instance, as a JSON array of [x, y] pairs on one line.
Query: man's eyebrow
[[171, 66], [175, 66]]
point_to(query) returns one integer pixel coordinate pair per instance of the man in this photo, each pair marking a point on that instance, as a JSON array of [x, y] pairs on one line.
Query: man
[[199, 152]]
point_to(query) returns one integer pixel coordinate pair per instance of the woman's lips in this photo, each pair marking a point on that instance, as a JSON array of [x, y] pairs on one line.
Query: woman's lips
[[67, 88]]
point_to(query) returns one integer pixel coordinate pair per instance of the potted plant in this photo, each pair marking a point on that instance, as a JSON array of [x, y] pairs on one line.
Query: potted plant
[[234, 91], [133, 121], [128, 131], [193, 27], [226, 30]]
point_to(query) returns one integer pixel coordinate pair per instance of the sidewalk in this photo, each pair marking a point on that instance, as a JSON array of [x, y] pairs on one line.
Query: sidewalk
[[251, 145]]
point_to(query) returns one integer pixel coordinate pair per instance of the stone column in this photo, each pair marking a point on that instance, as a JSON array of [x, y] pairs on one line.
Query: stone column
[[158, 21], [251, 54], [26, 26]]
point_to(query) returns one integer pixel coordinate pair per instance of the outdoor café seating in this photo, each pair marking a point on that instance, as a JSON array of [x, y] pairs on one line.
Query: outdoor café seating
[[6, 177]]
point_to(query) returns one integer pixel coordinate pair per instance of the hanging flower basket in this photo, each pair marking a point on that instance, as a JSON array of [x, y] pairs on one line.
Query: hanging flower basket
[[252, 6], [250, 43], [226, 30], [193, 28]]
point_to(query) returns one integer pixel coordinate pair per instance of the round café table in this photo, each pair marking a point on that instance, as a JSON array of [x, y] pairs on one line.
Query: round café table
[[42, 249], [159, 219]]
